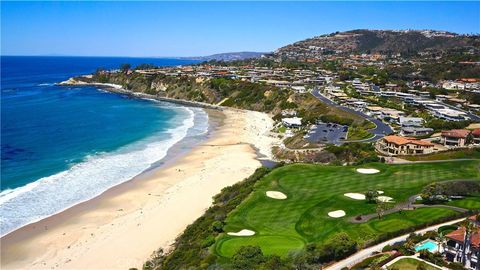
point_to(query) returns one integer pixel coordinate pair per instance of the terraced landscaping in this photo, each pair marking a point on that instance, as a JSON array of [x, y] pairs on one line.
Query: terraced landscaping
[[283, 226]]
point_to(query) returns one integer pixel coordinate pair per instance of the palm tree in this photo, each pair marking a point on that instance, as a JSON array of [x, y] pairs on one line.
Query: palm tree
[[469, 227], [443, 241]]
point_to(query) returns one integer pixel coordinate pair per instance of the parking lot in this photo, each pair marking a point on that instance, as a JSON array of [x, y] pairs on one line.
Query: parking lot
[[327, 133]]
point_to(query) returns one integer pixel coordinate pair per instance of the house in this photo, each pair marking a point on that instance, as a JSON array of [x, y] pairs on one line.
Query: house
[[411, 121], [397, 145], [415, 131], [476, 136], [449, 114], [455, 137], [466, 253], [293, 122]]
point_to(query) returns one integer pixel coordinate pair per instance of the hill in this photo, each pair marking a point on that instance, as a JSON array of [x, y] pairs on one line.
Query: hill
[[379, 41], [232, 56]]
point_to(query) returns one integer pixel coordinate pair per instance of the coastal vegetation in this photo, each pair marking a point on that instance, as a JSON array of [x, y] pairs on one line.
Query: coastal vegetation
[[297, 232], [228, 92]]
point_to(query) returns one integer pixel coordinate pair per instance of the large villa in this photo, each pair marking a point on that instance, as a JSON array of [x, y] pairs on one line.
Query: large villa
[[466, 252], [396, 145]]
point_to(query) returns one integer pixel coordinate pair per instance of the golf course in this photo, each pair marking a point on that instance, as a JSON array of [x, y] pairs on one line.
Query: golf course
[[309, 203]]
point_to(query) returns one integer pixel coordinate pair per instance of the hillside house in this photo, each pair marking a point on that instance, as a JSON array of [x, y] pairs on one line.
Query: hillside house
[[454, 137], [394, 145]]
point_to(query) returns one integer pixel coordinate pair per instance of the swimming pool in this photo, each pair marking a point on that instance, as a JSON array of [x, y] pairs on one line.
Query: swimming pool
[[429, 245]]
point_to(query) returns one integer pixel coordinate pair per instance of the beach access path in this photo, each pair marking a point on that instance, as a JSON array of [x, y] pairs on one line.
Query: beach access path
[[122, 227]]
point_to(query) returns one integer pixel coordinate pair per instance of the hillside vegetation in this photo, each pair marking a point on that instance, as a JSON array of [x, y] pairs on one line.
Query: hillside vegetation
[[229, 92], [384, 41]]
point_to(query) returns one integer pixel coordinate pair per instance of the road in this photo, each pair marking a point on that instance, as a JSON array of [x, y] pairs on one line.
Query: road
[[379, 131], [365, 253]]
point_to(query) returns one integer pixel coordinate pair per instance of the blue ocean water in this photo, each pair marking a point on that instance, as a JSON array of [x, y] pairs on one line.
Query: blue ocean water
[[63, 145]]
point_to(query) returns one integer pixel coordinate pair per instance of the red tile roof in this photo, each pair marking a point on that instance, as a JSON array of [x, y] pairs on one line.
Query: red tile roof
[[399, 140], [456, 133], [459, 235], [476, 132]]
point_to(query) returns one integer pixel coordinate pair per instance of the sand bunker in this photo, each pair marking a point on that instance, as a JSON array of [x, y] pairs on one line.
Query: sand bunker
[[384, 198], [367, 171], [355, 196], [336, 214], [276, 195], [243, 232]]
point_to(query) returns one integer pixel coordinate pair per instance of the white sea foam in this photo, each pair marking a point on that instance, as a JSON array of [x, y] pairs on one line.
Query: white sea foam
[[93, 176]]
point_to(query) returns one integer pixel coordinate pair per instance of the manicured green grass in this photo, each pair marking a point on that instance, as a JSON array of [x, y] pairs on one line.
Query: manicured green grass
[[471, 202], [282, 226], [410, 264], [452, 154]]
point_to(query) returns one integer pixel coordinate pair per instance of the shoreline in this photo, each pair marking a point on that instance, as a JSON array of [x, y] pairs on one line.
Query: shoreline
[[83, 236], [116, 88]]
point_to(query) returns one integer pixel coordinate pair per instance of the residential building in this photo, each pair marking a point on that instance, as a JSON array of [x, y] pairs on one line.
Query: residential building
[[411, 121], [293, 122], [455, 137], [415, 131], [465, 252], [476, 136], [397, 145]]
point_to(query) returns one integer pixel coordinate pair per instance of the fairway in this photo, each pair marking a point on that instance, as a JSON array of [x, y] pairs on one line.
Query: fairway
[[312, 191]]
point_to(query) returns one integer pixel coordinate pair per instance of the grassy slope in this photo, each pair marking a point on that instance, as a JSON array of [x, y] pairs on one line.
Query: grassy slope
[[313, 191], [411, 264], [453, 154], [472, 202]]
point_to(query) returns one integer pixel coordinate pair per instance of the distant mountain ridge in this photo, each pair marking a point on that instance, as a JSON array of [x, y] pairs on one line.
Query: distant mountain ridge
[[232, 56], [380, 41]]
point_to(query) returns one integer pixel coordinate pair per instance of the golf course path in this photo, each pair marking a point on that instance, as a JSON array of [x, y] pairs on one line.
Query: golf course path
[[406, 206], [365, 253]]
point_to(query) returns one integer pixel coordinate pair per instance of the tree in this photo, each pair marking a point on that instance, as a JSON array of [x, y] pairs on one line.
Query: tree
[[371, 196], [409, 245], [469, 139], [381, 207], [125, 67], [248, 257], [442, 240], [469, 227]]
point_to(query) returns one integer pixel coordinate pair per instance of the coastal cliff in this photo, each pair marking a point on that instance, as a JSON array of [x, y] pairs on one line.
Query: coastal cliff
[[219, 91], [216, 93]]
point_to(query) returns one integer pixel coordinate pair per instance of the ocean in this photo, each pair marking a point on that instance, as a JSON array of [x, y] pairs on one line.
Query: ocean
[[64, 145]]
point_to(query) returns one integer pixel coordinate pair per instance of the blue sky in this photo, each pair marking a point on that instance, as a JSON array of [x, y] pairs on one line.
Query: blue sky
[[202, 28]]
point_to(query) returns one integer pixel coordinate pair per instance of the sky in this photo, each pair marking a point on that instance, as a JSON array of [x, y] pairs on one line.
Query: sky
[[204, 28]]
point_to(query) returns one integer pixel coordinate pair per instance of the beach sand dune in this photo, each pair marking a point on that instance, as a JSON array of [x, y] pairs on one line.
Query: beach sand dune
[[124, 226]]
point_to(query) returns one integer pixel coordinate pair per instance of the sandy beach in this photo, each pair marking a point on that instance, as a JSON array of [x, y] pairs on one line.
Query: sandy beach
[[122, 227]]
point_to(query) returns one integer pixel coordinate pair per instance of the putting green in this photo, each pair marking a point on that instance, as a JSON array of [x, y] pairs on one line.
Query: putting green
[[315, 190]]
